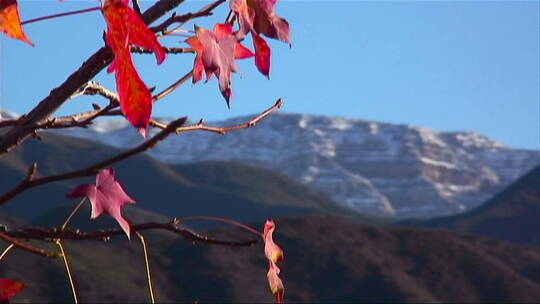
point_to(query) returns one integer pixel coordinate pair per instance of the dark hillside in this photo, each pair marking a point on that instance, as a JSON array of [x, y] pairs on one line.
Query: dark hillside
[[513, 214]]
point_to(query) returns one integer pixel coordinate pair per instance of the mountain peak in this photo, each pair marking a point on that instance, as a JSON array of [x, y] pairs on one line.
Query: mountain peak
[[377, 168]]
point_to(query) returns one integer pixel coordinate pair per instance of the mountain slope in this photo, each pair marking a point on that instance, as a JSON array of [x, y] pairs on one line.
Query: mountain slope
[[157, 186], [376, 168], [513, 214], [328, 259]]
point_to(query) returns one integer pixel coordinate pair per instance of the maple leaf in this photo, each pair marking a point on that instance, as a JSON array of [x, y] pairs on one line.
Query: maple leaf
[[107, 195], [9, 288], [262, 55], [259, 16], [274, 254], [125, 27], [135, 97], [10, 21], [216, 54]]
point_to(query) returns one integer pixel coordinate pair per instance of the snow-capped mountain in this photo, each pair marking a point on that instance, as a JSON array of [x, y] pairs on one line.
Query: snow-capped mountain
[[376, 168]]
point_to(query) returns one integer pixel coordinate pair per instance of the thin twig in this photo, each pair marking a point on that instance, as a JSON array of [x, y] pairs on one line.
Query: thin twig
[[31, 182], [173, 86], [68, 270], [8, 248], [72, 214], [24, 245], [147, 263], [204, 12], [222, 130], [51, 233], [169, 50], [220, 219], [81, 119], [96, 88], [62, 14]]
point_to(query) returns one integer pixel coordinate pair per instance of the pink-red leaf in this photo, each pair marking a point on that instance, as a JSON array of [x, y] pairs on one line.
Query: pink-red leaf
[[216, 54], [106, 195], [125, 27], [274, 254], [262, 55], [9, 288], [10, 21], [275, 283], [259, 16]]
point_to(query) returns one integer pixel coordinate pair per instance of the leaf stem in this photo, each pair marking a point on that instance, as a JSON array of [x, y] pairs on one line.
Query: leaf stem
[[220, 219], [147, 262], [72, 214], [68, 270], [8, 248], [62, 14], [173, 86]]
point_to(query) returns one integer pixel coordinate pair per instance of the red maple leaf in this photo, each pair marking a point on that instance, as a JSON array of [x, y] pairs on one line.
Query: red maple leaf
[[258, 17], [9, 288], [125, 27], [107, 195], [10, 21], [262, 55], [274, 254], [216, 54]]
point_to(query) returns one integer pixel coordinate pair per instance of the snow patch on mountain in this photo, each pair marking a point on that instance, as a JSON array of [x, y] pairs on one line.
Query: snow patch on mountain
[[375, 168]]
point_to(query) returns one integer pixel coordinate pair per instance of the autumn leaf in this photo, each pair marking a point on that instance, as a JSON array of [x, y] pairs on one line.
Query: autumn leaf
[[107, 195], [10, 21], [262, 55], [125, 28], [216, 54], [274, 254], [275, 283], [9, 288], [135, 97], [259, 16]]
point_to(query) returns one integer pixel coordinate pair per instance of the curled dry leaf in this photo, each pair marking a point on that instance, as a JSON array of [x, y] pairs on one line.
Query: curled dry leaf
[[9, 288], [125, 27], [10, 21], [216, 54], [107, 195], [275, 283], [258, 17], [274, 254]]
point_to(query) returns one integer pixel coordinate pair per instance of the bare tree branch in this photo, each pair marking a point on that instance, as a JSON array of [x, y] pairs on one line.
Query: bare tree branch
[[51, 233], [93, 169], [173, 86], [169, 50], [204, 12], [28, 124], [26, 246], [223, 130]]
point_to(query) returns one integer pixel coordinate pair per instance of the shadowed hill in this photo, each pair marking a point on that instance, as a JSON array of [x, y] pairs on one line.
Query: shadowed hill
[[328, 259], [249, 193], [513, 214]]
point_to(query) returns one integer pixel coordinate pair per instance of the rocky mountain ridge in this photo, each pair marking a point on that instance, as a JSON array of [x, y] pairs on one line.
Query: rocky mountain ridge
[[380, 169]]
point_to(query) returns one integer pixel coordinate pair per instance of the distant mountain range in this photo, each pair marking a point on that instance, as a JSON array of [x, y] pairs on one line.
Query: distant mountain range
[[329, 257], [231, 189], [378, 169]]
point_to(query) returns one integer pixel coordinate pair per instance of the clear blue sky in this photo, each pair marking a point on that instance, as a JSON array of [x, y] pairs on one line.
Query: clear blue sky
[[449, 65]]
